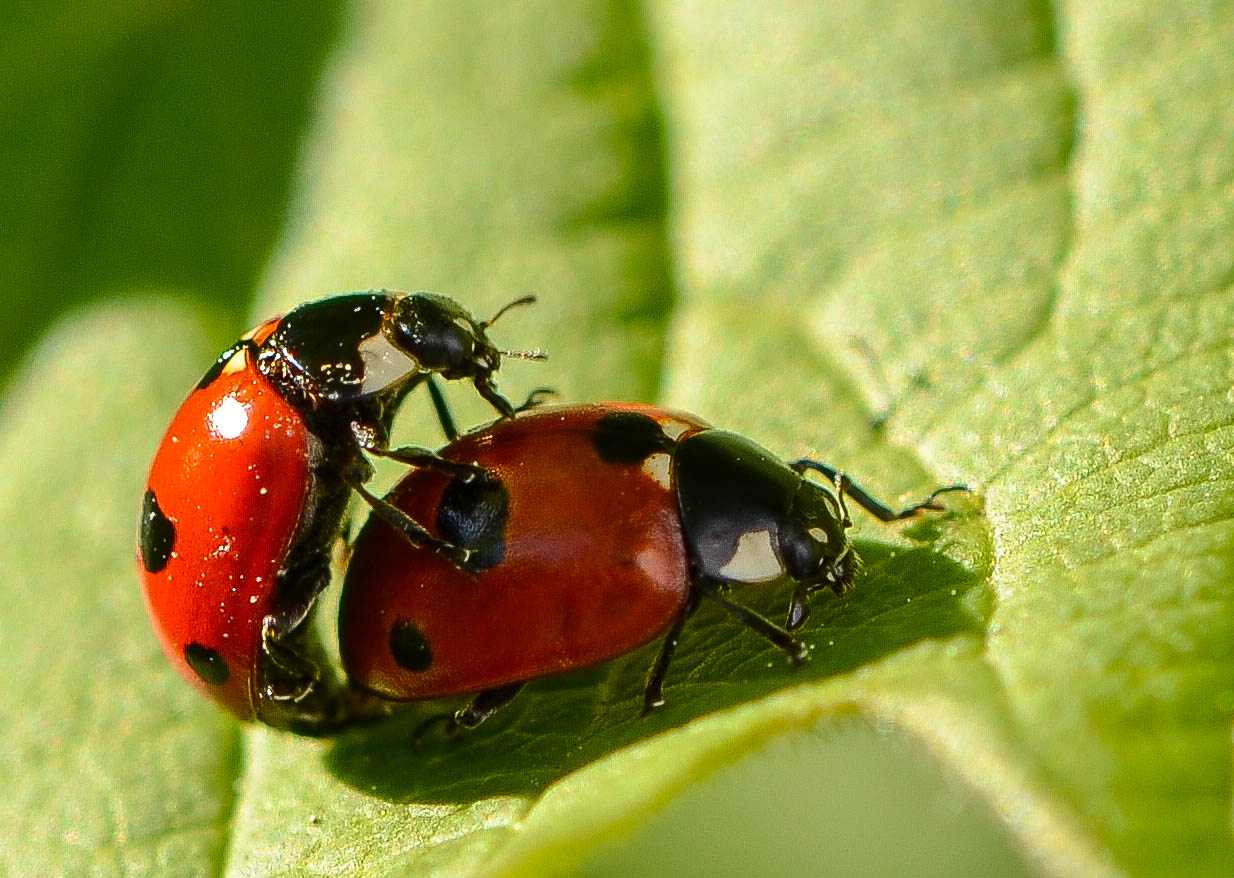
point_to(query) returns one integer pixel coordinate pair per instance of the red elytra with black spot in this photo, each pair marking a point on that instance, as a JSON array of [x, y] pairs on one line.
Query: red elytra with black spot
[[593, 530], [249, 487], [232, 478], [593, 564]]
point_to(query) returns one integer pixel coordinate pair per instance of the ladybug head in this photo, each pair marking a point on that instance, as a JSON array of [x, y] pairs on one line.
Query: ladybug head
[[813, 541], [444, 338]]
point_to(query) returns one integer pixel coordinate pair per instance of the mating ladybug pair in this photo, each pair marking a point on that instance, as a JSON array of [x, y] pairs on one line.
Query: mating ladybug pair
[[552, 539]]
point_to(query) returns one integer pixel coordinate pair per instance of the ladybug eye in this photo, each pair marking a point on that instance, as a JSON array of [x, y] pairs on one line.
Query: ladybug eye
[[803, 552], [438, 343], [813, 533]]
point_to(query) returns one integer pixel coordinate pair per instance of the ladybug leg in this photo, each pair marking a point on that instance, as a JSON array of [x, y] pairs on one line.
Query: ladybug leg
[[537, 397], [415, 456], [300, 583], [488, 390], [795, 650], [847, 487], [471, 715], [411, 529], [371, 437], [653, 691], [444, 416], [798, 607], [297, 675]]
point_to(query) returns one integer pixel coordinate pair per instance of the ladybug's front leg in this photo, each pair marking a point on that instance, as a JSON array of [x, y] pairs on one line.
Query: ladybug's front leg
[[488, 390], [837, 576], [445, 417], [536, 398], [793, 648], [846, 487]]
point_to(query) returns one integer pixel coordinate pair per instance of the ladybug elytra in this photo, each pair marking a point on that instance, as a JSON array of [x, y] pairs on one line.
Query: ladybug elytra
[[597, 529], [248, 489]]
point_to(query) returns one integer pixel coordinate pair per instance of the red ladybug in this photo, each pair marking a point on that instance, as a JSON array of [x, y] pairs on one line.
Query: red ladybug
[[599, 528], [248, 489]]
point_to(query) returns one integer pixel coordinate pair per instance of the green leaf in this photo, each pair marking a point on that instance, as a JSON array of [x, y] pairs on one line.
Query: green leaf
[[110, 765], [1007, 226], [146, 143]]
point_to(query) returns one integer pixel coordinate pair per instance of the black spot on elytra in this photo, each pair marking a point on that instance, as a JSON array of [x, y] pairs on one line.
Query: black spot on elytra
[[473, 515], [207, 664], [628, 437], [410, 647], [157, 536]]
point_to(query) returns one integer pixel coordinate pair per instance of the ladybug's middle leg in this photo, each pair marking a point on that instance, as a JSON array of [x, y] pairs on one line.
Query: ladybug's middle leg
[[371, 437], [415, 533], [444, 416], [358, 471], [476, 711], [653, 691], [415, 456]]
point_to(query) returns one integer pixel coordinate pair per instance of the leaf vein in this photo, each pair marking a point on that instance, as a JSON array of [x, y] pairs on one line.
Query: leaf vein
[[1062, 421]]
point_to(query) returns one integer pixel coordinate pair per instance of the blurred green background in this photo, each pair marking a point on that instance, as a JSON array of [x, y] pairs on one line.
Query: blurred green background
[[148, 144]]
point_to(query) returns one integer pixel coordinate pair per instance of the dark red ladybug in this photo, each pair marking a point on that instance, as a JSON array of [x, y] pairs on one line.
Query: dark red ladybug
[[248, 489], [598, 529]]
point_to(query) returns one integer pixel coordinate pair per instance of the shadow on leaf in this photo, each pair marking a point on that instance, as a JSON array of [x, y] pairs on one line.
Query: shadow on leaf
[[562, 723]]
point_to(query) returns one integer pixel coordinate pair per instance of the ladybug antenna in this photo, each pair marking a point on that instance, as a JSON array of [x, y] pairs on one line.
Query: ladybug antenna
[[525, 300], [533, 354]]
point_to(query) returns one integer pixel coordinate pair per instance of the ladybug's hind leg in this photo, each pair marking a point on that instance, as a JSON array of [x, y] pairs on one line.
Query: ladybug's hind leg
[[293, 674], [471, 715]]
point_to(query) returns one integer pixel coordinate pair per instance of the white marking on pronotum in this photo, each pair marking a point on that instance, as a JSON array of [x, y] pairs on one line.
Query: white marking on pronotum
[[237, 362], [384, 363], [229, 417], [819, 534], [754, 560], [658, 467]]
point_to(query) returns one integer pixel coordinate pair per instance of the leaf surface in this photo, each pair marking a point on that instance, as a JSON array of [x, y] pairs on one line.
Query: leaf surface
[[1005, 227]]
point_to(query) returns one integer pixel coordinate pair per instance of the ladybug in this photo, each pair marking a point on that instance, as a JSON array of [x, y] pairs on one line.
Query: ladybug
[[597, 529], [248, 490]]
